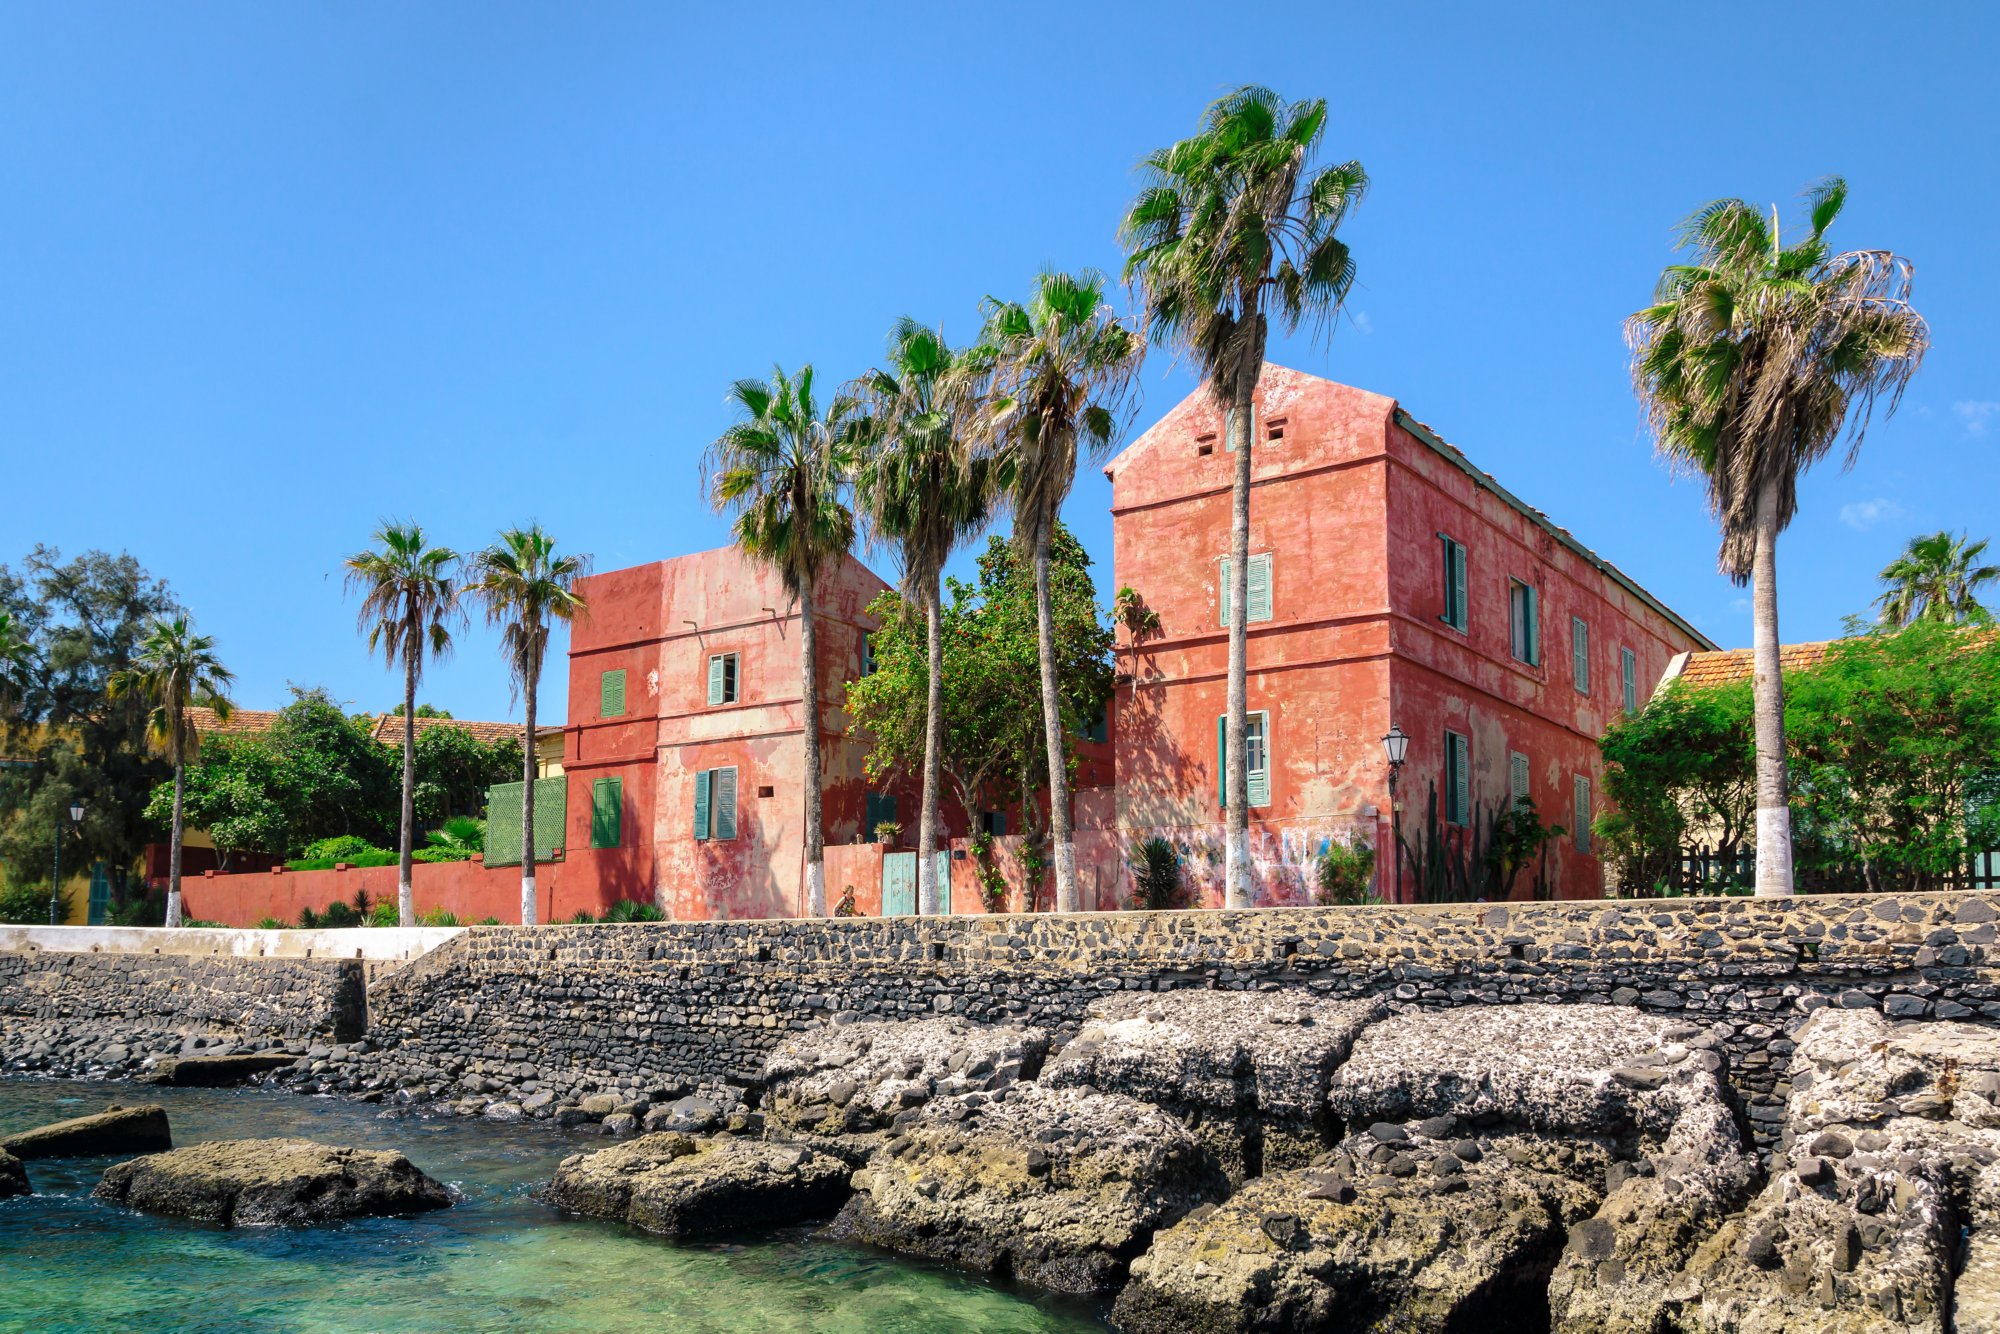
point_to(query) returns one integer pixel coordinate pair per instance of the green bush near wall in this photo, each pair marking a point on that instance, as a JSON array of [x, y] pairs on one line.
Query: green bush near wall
[[503, 820]]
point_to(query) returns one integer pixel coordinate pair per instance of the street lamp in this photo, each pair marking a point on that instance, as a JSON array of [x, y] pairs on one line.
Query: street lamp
[[1394, 747], [55, 884]]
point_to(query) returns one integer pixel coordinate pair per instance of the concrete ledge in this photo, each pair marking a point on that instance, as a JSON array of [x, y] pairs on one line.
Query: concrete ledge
[[380, 944]]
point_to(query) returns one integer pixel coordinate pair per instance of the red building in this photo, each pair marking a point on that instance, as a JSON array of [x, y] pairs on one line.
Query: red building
[[1391, 582]]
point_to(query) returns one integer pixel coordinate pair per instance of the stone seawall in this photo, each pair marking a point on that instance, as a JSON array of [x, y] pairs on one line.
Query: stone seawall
[[144, 997], [677, 1006]]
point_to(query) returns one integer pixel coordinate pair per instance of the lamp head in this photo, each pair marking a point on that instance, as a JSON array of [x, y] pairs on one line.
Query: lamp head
[[1395, 746]]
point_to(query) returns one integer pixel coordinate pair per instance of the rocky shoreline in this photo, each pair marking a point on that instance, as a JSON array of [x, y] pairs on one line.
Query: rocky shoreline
[[1269, 1160]]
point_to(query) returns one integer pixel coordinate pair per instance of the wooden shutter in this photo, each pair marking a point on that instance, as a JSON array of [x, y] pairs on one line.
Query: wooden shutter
[[1628, 666], [1228, 586], [1583, 813], [1518, 777], [611, 694], [1579, 653], [725, 802], [715, 678], [1534, 626], [1458, 793], [1222, 760], [1259, 790], [607, 810], [701, 793], [1460, 614], [1260, 587]]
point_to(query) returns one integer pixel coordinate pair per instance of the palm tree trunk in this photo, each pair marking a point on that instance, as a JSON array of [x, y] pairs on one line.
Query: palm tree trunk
[[406, 898], [809, 691], [174, 840], [1062, 844], [531, 670], [1774, 814], [927, 820], [1236, 783]]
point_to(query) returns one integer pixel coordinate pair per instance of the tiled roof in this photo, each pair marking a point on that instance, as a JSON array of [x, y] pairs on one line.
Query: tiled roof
[[389, 729], [241, 721], [1726, 665]]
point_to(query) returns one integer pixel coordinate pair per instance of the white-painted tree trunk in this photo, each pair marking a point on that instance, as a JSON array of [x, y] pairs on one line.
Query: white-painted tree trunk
[[1774, 814], [1237, 891]]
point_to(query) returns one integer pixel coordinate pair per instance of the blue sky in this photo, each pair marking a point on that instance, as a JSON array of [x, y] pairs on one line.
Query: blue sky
[[270, 273]]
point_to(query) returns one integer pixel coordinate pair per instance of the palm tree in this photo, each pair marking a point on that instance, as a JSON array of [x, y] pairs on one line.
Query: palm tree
[[1937, 578], [173, 670], [783, 470], [409, 602], [1752, 362], [921, 488], [1235, 229], [16, 653], [1054, 375], [527, 587]]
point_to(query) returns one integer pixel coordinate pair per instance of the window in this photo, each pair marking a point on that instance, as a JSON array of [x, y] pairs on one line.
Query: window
[[611, 694], [1579, 653], [1518, 779], [1256, 749], [1275, 429], [1260, 587], [1099, 728], [881, 807], [868, 655], [607, 812], [1628, 668], [715, 803], [1521, 615], [993, 822], [722, 678], [1455, 614], [1583, 813], [1457, 779]]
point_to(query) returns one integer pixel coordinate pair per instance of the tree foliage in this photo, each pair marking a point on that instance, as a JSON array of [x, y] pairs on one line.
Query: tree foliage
[[1937, 578]]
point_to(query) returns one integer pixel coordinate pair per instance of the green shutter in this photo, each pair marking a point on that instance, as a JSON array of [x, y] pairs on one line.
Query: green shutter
[[1222, 760], [1628, 665], [1582, 813], [1579, 653], [503, 820], [1518, 777], [715, 678], [607, 812], [611, 695], [1534, 627], [725, 802], [1228, 586], [1259, 788], [1260, 587], [1459, 609], [1457, 781], [701, 789]]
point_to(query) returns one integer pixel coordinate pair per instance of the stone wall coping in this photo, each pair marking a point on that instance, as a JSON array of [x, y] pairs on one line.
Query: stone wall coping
[[380, 943]]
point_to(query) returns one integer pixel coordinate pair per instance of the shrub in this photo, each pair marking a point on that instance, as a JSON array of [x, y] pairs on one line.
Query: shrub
[[146, 910], [1156, 875], [28, 905], [269, 924], [583, 918], [438, 917], [339, 848], [1346, 875], [633, 910], [337, 916], [384, 914], [487, 921], [992, 884]]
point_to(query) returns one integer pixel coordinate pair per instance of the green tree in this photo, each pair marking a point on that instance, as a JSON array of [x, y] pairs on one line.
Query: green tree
[[454, 769], [992, 746], [17, 654], [527, 586], [1680, 769], [1234, 229], [409, 601], [1054, 376], [1753, 361], [174, 670], [1937, 578], [235, 791], [921, 489], [782, 472]]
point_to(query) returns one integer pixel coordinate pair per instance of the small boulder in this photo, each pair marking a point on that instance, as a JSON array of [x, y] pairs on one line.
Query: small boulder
[[690, 1188], [216, 1071], [13, 1176], [271, 1183], [1058, 1187], [114, 1130]]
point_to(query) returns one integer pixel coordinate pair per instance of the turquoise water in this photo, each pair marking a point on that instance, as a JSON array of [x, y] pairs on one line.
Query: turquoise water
[[499, 1260]]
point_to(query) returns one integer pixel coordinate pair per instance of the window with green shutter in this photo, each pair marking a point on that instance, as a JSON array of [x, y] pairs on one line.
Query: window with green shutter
[[1628, 668], [607, 812], [722, 678], [1257, 750], [702, 783], [725, 802], [611, 694], [1523, 618], [1455, 613], [1260, 587], [715, 804], [1457, 779], [879, 807], [1518, 778], [1579, 653], [1582, 813]]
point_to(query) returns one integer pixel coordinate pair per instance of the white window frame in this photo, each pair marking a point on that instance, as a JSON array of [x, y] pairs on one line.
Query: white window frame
[[1259, 559], [725, 678]]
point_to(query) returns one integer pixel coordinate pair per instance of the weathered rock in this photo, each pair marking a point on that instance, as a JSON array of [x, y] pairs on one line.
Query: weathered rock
[[271, 1182], [216, 1071], [114, 1130], [1059, 1187], [13, 1176], [841, 1086], [1247, 1070], [686, 1187], [1343, 1246], [1896, 1134]]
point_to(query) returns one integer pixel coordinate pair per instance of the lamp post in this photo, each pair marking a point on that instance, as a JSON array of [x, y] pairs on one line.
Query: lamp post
[[55, 883], [1394, 747]]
